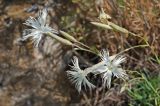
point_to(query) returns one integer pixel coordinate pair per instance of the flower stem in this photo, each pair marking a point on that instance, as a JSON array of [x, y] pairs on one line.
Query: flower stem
[[62, 40]]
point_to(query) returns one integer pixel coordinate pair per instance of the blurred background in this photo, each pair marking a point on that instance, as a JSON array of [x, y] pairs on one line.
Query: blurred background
[[37, 76]]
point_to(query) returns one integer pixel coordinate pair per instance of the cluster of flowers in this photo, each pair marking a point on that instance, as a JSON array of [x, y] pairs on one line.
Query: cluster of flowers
[[108, 67]]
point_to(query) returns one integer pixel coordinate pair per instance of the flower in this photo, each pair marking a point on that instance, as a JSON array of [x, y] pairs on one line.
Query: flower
[[39, 27], [110, 67], [78, 76]]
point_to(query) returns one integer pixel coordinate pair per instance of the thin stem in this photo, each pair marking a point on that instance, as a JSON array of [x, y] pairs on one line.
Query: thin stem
[[62, 40], [133, 47], [80, 48], [133, 34], [83, 44]]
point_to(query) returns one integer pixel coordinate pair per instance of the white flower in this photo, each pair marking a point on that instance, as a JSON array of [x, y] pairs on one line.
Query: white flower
[[78, 76], [39, 27], [110, 67]]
